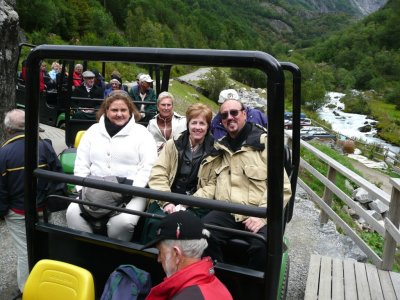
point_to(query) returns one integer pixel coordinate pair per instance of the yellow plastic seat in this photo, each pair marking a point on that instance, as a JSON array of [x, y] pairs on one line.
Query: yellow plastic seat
[[51, 279], [78, 138]]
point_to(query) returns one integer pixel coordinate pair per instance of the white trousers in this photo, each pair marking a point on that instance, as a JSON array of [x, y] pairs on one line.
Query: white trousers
[[16, 226], [119, 227]]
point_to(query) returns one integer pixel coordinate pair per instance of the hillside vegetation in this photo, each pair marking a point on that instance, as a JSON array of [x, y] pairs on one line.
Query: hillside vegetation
[[220, 24], [334, 49]]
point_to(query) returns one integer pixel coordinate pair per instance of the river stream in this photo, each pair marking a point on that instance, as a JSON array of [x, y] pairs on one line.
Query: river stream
[[348, 124]]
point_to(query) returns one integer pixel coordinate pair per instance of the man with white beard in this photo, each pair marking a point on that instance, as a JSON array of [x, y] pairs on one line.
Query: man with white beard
[[181, 241]]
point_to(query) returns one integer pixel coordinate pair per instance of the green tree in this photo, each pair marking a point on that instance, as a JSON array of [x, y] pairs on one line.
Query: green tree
[[313, 94], [213, 82]]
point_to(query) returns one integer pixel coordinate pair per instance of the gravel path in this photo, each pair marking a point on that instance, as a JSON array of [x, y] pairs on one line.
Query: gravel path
[[196, 75], [307, 237]]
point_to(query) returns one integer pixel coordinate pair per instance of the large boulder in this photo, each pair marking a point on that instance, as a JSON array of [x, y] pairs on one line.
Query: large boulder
[[362, 196], [9, 28]]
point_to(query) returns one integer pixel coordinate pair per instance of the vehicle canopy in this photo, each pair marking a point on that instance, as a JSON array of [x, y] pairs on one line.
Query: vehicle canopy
[[100, 254]]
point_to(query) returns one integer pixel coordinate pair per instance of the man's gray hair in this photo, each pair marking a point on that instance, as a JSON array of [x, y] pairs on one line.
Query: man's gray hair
[[190, 248], [165, 95], [14, 120], [78, 65]]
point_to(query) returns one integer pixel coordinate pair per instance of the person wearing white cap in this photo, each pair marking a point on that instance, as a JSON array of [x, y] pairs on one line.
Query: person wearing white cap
[[88, 89], [144, 93], [253, 115]]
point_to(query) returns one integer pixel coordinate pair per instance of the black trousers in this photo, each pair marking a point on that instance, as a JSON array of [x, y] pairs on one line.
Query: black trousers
[[256, 252]]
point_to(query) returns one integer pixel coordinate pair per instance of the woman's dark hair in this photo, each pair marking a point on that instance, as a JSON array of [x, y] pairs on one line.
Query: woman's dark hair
[[118, 95]]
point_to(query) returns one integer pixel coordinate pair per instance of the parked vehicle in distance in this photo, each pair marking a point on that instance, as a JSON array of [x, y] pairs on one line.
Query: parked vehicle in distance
[[311, 132], [305, 122]]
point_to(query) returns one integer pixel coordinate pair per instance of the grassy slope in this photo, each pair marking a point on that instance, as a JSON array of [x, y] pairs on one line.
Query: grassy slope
[[389, 120], [185, 96]]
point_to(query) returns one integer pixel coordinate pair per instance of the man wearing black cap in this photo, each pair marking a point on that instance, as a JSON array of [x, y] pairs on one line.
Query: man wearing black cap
[[181, 241]]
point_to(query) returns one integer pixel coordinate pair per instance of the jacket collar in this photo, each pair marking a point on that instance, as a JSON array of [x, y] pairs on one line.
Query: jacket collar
[[124, 131], [200, 272], [14, 137], [183, 139], [253, 139]]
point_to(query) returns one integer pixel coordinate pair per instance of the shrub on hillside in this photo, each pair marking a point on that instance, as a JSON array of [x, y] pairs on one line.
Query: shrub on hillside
[[213, 82], [348, 147]]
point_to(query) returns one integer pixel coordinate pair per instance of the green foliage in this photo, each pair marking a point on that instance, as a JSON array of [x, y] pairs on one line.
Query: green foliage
[[213, 82], [357, 104], [368, 51], [374, 240], [393, 96], [250, 77], [233, 24]]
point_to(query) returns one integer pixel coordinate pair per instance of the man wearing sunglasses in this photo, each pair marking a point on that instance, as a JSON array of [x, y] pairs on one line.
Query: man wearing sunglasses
[[241, 178], [253, 115]]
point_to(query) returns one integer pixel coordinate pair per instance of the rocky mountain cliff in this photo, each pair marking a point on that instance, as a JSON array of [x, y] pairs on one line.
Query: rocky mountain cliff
[[9, 26], [357, 7], [367, 7]]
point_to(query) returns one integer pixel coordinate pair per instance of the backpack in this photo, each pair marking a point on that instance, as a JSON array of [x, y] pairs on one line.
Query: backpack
[[102, 197], [127, 282]]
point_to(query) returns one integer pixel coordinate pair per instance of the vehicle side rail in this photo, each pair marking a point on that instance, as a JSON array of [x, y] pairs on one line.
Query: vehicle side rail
[[86, 102], [154, 194], [233, 232], [144, 102]]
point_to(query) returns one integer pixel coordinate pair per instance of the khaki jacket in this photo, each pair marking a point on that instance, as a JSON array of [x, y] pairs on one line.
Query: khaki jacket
[[164, 170], [242, 175]]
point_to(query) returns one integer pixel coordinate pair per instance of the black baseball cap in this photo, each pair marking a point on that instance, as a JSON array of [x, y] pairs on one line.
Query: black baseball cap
[[181, 225]]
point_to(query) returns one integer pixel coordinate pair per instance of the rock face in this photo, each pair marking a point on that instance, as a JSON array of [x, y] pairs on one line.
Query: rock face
[[9, 27], [359, 7], [367, 7]]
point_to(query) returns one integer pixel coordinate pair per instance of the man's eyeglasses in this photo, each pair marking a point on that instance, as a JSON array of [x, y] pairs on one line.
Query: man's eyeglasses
[[232, 112]]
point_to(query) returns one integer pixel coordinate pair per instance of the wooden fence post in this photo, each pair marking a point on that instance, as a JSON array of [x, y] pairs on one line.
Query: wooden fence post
[[389, 247], [328, 195]]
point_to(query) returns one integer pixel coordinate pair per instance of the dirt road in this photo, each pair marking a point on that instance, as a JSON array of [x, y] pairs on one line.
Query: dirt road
[[374, 176]]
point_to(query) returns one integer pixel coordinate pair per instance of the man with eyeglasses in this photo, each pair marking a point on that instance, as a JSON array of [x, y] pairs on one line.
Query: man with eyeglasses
[[242, 179], [253, 115]]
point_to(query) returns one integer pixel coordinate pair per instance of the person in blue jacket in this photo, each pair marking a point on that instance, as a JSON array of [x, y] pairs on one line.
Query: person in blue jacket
[[253, 115], [12, 184]]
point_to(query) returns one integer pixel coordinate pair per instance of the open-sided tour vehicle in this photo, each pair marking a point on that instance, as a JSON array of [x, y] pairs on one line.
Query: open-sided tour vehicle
[[100, 254]]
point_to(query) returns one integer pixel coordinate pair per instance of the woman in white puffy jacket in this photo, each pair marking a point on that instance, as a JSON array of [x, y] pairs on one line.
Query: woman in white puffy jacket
[[115, 146]]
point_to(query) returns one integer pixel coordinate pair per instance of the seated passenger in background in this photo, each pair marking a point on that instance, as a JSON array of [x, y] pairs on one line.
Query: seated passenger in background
[[55, 68], [117, 75], [23, 70], [167, 123], [253, 115], [185, 166], [144, 93], [44, 77], [114, 86], [99, 80], [77, 78], [88, 89], [115, 146]]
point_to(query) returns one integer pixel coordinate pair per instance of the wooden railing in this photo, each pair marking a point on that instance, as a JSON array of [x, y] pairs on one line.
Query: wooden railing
[[390, 231]]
